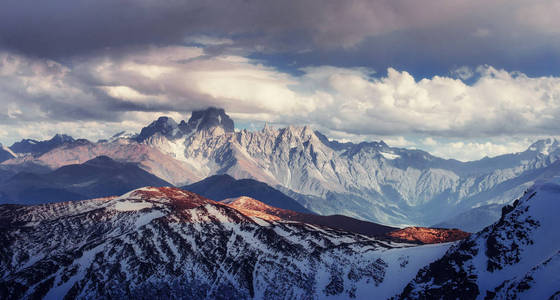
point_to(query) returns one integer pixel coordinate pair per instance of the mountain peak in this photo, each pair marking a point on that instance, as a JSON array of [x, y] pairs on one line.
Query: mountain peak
[[545, 146], [210, 118], [200, 120], [164, 125], [102, 160], [61, 138]]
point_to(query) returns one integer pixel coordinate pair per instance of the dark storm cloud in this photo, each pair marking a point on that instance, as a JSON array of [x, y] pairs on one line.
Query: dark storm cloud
[[63, 27], [424, 37]]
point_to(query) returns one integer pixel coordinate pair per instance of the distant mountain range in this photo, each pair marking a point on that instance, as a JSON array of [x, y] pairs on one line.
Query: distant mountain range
[[34, 147], [99, 177], [368, 181]]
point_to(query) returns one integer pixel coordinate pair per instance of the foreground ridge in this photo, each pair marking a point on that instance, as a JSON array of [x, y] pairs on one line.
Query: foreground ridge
[[170, 243]]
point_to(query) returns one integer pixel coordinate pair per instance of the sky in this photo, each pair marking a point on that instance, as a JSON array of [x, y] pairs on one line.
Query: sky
[[460, 79]]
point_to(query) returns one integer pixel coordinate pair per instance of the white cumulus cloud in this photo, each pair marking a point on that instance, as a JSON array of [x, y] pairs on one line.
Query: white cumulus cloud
[[354, 101]]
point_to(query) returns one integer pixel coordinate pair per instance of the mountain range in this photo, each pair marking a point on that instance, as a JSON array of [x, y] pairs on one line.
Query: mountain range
[[272, 214], [368, 181]]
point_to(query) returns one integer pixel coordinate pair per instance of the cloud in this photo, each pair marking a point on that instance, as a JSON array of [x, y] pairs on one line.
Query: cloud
[[467, 151], [463, 72], [106, 92], [429, 141], [382, 33]]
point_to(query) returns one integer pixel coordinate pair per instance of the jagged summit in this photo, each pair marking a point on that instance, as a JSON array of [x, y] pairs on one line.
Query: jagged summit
[[61, 138], [166, 126], [200, 120], [209, 118]]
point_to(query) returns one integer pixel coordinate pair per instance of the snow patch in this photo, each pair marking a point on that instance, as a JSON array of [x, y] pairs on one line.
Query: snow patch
[[390, 156], [132, 206]]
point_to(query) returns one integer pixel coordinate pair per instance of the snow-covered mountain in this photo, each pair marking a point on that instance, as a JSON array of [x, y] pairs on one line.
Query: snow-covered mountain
[[517, 257], [369, 180], [165, 243], [170, 243]]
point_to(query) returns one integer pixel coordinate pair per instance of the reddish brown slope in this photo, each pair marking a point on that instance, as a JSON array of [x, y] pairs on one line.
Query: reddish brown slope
[[255, 208], [429, 235]]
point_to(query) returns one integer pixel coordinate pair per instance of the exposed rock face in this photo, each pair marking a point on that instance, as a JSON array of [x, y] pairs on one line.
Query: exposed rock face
[[369, 181], [200, 120], [426, 235], [208, 119], [515, 258], [150, 159], [169, 243]]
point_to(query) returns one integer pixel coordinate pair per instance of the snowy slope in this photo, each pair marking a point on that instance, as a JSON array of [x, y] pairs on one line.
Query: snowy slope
[[169, 243], [515, 258]]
